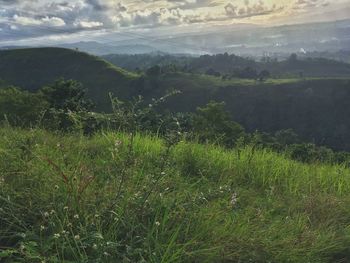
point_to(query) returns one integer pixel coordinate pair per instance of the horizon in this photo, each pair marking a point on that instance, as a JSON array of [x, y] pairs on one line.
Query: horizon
[[44, 22]]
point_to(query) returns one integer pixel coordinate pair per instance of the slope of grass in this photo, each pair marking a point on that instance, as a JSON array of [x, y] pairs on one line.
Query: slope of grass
[[34, 67], [118, 198]]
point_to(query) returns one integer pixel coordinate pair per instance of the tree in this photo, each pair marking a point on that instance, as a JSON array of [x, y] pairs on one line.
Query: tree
[[154, 71], [21, 107], [248, 73], [212, 72], [287, 137], [263, 75], [293, 57], [67, 95], [212, 123]]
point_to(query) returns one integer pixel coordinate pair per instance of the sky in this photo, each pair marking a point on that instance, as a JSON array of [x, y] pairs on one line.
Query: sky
[[29, 21]]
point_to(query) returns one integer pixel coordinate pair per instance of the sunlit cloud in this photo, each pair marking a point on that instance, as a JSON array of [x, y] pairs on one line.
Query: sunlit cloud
[[24, 18]]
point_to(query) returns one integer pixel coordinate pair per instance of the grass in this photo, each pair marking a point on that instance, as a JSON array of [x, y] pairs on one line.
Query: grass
[[189, 82], [115, 197]]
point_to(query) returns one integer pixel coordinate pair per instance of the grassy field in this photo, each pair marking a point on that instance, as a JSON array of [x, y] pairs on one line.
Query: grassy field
[[115, 197], [203, 81]]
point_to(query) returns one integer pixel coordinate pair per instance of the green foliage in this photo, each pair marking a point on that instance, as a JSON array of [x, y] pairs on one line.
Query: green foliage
[[21, 107], [213, 123], [67, 95], [116, 197]]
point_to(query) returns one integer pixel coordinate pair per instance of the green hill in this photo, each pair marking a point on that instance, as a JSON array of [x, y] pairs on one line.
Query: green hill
[[107, 198], [32, 68], [228, 64], [316, 108]]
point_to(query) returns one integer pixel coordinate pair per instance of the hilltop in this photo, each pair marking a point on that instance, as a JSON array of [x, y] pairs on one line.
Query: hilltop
[[35, 67]]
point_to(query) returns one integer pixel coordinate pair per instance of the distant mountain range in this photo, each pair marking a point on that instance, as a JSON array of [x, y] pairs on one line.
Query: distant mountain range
[[247, 40]]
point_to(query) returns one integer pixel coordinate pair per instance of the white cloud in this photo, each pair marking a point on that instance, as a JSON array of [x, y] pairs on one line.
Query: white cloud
[[87, 24], [78, 15]]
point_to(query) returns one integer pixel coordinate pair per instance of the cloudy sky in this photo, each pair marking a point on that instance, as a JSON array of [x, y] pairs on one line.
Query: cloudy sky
[[27, 21]]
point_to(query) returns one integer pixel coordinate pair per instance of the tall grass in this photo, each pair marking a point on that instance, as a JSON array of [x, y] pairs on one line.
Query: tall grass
[[118, 197]]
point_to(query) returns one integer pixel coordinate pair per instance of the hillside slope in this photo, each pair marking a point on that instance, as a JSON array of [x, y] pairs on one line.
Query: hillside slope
[[227, 64], [34, 67], [316, 108], [107, 198]]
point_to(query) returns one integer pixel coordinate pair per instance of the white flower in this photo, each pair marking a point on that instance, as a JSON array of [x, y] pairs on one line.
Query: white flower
[[76, 237], [42, 228], [76, 216], [234, 199], [56, 236], [94, 246], [157, 223]]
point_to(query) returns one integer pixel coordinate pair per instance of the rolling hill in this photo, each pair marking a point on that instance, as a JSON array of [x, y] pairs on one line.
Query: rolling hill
[[35, 67], [316, 108], [227, 64]]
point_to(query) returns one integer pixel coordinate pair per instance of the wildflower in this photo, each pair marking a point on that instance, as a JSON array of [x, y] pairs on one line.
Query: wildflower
[[76, 216], [157, 223], [97, 216], [118, 143], [234, 199], [56, 236], [69, 224], [162, 173], [22, 247], [64, 232], [65, 208], [58, 145], [94, 246], [23, 235], [52, 212], [57, 187], [99, 236], [76, 237], [46, 214], [106, 254], [42, 228]]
